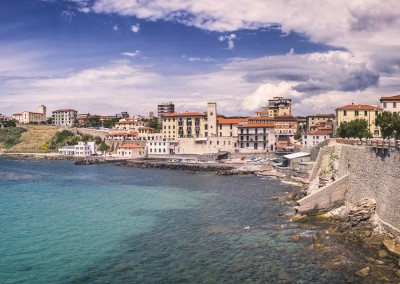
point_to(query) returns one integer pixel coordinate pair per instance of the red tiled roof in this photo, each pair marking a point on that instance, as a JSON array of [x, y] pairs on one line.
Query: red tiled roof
[[352, 106], [392, 98], [184, 114], [123, 133], [231, 120], [257, 125], [64, 110], [131, 146], [319, 133], [322, 115]]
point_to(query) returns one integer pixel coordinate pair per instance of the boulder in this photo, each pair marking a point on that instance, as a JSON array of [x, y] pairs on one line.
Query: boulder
[[391, 247], [363, 272]]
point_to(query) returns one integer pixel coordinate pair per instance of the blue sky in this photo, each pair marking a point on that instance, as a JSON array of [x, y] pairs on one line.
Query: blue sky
[[107, 56]]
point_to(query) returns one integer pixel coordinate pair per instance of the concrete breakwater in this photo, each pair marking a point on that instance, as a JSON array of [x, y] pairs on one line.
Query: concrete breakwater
[[346, 174], [175, 166]]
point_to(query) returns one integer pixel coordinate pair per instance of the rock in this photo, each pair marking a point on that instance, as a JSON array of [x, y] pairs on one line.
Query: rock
[[274, 198], [397, 241], [391, 247], [363, 272], [298, 217], [379, 262], [318, 246], [367, 234], [296, 237], [383, 253], [376, 240], [398, 273]]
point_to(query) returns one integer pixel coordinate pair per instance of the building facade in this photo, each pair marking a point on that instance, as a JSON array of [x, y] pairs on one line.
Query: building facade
[[31, 117], [277, 106], [391, 104], [257, 136], [228, 127], [351, 112], [131, 150], [165, 108], [65, 117], [82, 149], [184, 125], [160, 147], [320, 122], [310, 139]]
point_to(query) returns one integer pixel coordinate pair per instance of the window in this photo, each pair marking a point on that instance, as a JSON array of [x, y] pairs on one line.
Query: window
[[366, 113], [217, 142], [376, 132], [356, 113], [344, 113], [394, 105], [384, 104], [220, 134]]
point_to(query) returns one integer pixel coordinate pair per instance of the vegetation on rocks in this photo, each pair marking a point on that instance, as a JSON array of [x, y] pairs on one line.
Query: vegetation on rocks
[[67, 137]]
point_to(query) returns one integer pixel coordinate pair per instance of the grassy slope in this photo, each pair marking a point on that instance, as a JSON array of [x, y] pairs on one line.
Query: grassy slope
[[34, 139]]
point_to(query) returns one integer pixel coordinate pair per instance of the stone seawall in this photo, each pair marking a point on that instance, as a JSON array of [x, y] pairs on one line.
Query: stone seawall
[[370, 173]]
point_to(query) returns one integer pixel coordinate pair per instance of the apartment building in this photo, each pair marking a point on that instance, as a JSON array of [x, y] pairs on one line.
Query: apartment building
[[320, 122], [131, 150], [391, 104], [277, 106], [31, 117], [228, 127], [160, 147], [257, 136], [310, 139], [130, 124], [352, 112], [82, 149], [165, 108], [65, 117]]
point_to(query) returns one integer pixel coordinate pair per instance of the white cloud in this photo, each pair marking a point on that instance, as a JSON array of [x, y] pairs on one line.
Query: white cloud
[[131, 54], [135, 28], [115, 28], [230, 40]]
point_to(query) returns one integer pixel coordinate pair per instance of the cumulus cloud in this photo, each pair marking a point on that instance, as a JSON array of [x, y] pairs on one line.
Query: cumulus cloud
[[230, 40], [131, 54], [135, 28]]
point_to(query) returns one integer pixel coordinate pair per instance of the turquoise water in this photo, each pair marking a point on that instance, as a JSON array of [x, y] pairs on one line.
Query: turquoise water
[[63, 223]]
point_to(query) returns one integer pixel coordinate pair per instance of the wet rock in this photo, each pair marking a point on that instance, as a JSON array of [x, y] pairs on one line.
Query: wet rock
[[318, 246], [379, 262], [298, 217], [383, 253], [363, 272], [296, 237], [367, 234], [275, 198], [376, 240], [391, 247]]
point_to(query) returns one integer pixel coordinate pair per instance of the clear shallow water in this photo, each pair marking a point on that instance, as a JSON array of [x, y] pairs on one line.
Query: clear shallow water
[[62, 223]]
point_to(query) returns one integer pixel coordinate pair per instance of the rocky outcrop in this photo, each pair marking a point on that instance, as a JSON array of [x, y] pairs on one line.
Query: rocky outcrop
[[175, 166], [89, 161]]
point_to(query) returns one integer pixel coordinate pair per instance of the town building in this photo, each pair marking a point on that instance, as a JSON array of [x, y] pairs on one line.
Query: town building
[[257, 136], [310, 139], [123, 114], [131, 150], [352, 112], [228, 127], [31, 117], [160, 147], [130, 124], [82, 149], [277, 106], [320, 122], [65, 117], [122, 135], [191, 124], [391, 104], [4, 119], [165, 108]]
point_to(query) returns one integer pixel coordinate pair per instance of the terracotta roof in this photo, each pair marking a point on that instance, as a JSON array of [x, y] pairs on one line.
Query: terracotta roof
[[64, 110], [184, 114], [148, 128], [319, 133], [123, 133], [392, 98], [352, 106], [131, 146], [257, 125], [322, 115], [231, 120]]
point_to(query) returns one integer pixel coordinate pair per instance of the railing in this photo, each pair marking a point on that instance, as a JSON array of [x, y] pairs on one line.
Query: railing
[[374, 143]]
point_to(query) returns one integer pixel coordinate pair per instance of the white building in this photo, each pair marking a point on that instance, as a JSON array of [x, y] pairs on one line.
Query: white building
[[160, 147], [29, 116], [83, 149], [64, 117], [310, 139], [391, 104], [257, 136]]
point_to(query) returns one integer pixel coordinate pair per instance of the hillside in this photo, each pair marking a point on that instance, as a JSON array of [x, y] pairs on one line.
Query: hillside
[[35, 139]]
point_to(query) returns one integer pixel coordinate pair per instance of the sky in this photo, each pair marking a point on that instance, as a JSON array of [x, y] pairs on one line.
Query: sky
[[107, 56]]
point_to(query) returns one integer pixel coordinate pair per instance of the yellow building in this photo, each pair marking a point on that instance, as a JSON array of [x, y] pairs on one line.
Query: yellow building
[[352, 112], [184, 125], [29, 116], [277, 106]]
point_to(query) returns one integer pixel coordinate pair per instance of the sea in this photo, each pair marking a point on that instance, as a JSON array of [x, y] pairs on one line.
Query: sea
[[63, 223]]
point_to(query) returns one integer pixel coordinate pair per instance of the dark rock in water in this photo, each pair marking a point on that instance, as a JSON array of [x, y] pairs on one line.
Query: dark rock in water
[[89, 162]]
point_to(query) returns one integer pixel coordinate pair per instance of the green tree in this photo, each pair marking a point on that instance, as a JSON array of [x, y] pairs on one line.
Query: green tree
[[354, 129], [110, 122], [386, 122], [93, 121], [104, 147], [49, 121], [9, 123]]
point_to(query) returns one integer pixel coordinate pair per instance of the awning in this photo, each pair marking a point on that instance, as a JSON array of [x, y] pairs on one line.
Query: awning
[[296, 155]]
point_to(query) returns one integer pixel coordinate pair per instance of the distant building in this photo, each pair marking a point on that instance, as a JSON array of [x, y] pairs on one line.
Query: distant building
[[123, 114], [65, 117], [131, 150], [277, 106], [29, 117], [257, 136], [165, 108], [310, 139], [160, 147], [351, 112], [391, 104], [228, 127], [3, 119], [320, 122], [83, 149]]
